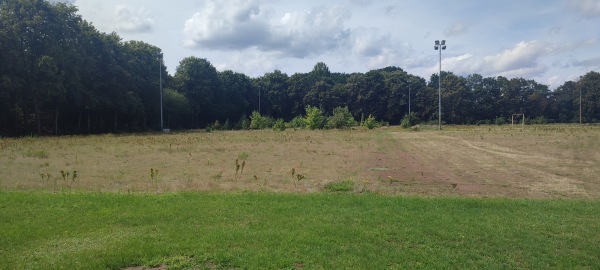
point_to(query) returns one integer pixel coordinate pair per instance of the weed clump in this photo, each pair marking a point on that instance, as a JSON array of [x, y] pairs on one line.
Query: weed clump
[[340, 186]]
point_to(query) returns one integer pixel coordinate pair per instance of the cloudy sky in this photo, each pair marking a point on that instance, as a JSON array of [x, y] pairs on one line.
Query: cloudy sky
[[550, 41]]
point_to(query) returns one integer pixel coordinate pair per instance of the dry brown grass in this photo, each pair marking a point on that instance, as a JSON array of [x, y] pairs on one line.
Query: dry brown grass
[[539, 161]]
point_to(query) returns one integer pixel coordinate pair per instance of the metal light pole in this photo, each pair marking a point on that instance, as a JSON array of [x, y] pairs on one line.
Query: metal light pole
[[409, 86], [580, 108], [440, 46], [161, 92], [259, 89]]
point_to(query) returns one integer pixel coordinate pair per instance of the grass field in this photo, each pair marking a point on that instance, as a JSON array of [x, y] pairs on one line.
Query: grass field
[[553, 161], [496, 197], [294, 231]]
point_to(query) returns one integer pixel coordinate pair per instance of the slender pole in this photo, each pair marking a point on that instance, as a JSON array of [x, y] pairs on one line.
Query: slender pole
[[259, 89], [409, 98], [161, 93], [440, 93], [580, 108]]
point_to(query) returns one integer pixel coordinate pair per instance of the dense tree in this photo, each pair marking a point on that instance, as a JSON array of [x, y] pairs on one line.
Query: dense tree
[[563, 107], [589, 85], [199, 81], [60, 75], [368, 93], [274, 99], [236, 87], [457, 100]]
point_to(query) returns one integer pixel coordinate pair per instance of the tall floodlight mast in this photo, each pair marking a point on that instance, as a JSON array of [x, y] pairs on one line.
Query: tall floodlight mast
[[440, 46]]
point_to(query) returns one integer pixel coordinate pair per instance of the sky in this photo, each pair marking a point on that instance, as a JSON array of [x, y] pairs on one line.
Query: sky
[[550, 41]]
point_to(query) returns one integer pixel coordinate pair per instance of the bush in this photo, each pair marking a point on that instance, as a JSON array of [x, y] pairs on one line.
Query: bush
[[258, 121], [279, 125], [500, 121], [409, 120], [243, 123], [297, 122], [314, 118], [340, 186], [216, 125], [341, 118], [370, 122], [540, 120], [227, 125]]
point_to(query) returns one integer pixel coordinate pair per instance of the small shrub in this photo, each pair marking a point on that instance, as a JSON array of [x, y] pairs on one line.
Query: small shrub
[[297, 122], [216, 125], [341, 118], [314, 118], [340, 186], [370, 122], [409, 120], [540, 120], [500, 121], [243, 155], [42, 154], [227, 125], [243, 123], [258, 121], [279, 125]]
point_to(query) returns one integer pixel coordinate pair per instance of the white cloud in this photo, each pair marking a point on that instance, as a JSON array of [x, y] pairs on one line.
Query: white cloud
[[305, 33], [369, 42], [554, 81], [522, 60], [240, 24], [587, 8], [131, 20], [456, 29], [523, 55], [236, 24]]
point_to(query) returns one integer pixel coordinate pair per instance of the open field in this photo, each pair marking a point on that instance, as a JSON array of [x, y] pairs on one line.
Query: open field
[[41, 230], [493, 197], [551, 161]]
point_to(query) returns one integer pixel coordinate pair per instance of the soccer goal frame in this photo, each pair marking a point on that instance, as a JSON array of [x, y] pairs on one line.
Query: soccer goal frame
[[517, 115]]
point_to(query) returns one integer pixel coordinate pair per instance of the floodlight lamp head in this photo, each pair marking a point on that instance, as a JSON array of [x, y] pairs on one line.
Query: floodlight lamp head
[[444, 47], [435, 47], [443, 42], [437, 42]]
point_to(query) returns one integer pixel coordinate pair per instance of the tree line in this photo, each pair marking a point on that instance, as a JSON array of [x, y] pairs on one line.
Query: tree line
[[60, 75]]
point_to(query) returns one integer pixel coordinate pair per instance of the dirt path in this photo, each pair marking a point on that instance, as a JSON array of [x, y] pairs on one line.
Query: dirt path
[[437, 163]]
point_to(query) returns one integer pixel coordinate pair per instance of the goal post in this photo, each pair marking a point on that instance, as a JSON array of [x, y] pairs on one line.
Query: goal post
[[518, 115]]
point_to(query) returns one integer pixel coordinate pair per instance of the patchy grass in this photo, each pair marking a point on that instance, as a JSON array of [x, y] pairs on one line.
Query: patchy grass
[[547, 161], [340, 186], [290, 231]]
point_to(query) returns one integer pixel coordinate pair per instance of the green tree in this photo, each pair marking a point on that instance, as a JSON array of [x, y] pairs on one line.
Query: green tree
[[41, 63], [457, 100], [565, 103], [176, 109], [589, 85], [199, 81], [236, 87], [341, 118], [368, 94], [314, 118], [274, 99]]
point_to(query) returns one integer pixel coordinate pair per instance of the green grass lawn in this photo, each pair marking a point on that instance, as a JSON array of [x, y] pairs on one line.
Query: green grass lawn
[[288, 231]]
